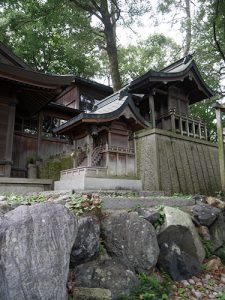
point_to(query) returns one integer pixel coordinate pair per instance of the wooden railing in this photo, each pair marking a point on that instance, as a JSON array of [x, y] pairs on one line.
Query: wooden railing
[[183, 124], [108, 148], [87, 171]]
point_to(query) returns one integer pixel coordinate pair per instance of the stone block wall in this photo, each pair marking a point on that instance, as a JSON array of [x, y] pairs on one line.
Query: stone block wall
[[176, 164]]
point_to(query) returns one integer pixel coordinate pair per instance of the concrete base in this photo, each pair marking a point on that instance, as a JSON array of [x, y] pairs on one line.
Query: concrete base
[[23, 185], [82, 182]]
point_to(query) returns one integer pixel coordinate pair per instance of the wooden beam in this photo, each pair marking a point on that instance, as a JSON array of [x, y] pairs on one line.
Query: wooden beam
[[152, 109]]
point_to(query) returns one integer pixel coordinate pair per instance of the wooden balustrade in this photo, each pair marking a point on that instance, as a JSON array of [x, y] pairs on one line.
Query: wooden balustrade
[[183, 124]]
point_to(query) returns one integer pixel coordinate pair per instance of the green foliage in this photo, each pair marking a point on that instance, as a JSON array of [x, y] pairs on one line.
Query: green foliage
[[221, 296], [150, 288], [155, 52], [161, 218], [208, 246], [80, 204], [25, 200], [51, 169], [52, 36]]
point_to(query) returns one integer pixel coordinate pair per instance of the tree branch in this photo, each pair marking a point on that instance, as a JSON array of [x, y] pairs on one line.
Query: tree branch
[[214, 32]]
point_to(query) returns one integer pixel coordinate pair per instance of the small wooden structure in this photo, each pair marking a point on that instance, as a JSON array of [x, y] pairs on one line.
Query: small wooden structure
[[104, 143]]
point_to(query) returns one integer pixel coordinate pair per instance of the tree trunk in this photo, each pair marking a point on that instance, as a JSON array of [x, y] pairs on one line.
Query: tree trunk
[[188, 28], [111, 50]]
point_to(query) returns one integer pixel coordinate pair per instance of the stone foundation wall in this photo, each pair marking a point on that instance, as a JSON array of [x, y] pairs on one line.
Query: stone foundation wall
[[176, 164]]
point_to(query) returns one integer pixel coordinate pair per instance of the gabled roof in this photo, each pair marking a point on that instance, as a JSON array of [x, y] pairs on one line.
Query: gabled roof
[[106, 110], [183, 69], [12, 58]]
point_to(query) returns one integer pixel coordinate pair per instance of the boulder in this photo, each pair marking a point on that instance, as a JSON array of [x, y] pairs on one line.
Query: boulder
[[203, 231], [151, 215], [216, 202], [221, 253], [2, 198], [87, 241], [217, 232], [199, 199], [205, 214], [130, 239], [179, 264], [35, 246], [91, 294], [214, 264], [178, 228], [107, 274], [4, 207]]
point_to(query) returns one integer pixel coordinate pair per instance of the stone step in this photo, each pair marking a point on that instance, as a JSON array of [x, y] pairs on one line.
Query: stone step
[[120, 203]]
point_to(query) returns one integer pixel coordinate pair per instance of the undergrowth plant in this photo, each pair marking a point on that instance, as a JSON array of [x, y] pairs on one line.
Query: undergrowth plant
[[24, 200], [150, 288], [161, 218], [80, 204], [208, 246]]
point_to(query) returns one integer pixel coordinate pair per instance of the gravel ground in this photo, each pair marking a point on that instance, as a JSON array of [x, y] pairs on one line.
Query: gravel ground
[[210, 284]]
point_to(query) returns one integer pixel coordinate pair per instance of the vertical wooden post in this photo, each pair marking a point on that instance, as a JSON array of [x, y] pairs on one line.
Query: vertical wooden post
[[39, 134], [10, 136], [152, 109], [107, 157], [173, 126], [200, 130], [90, 147], [181, 125], [187, 126], [220, 147], [75, 153]]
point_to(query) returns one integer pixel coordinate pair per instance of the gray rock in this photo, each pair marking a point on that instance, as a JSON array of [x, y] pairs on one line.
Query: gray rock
[[2, 198], [205, 214], [107, 274], [148, 214], [221, 253], [178, 228], [131, 239], [179, 264], [91, 294], [35, 246], [4, 207], [217, 232], [203, 231], [87, 241]]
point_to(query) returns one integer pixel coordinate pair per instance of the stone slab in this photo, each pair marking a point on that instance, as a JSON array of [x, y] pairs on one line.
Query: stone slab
[[81, 182], [129, 203], [23, 186]]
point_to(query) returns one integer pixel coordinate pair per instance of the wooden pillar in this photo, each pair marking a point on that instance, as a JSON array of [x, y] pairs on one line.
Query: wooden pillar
[[10, 136], [39, 134], [117, 163], [200, 130], [173, 126], [152, 109], [90, 149], [75, 153], [220, 147], [107, 157]]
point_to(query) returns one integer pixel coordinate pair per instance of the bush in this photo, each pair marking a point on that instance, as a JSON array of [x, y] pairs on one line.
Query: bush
[[150, 288]]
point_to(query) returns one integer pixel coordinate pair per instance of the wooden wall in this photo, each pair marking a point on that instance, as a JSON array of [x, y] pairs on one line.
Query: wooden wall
[[176, 164], [4, 111], [25, 146]]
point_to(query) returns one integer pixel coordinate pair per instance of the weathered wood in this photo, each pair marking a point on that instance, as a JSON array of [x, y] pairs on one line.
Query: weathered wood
[[152, 109]]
